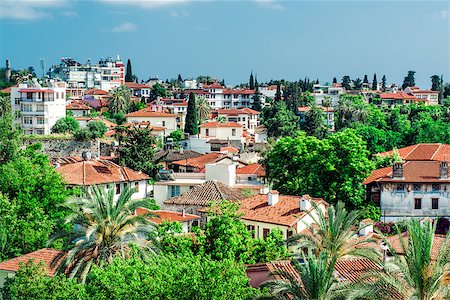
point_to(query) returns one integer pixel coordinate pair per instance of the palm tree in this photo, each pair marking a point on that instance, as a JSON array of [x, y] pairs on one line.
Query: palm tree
[[221, 119], [414, 272], [120, 100], [315, 280], [335, 234], [102, 229], [5, 105], [203, 109], [327, 104]]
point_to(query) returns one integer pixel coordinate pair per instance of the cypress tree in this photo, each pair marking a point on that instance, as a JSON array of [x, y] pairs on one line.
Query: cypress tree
[[278, 92], [365, 80], [374, 82], [257, 98], [129, 73], [252, 82], [191, 124], [383, 83], [334, 80]]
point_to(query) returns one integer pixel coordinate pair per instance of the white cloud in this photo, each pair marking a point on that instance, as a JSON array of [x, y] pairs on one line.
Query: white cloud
[[271, 4], [70, 14], [28, 9], [438, 15], [179, 14], [125, 27], [146, 4]]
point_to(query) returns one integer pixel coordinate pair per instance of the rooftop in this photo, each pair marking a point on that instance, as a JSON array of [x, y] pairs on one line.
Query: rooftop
[[436, 151], [148, 112], [45, 255], [175, 155], [220, 125], [199, 162], [164, 215]]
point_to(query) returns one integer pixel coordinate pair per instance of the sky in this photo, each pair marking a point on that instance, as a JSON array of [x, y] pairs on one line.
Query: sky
[[229, 39]]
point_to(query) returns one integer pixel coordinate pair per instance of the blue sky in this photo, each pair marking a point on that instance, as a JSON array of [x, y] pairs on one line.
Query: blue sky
[[228, 39]]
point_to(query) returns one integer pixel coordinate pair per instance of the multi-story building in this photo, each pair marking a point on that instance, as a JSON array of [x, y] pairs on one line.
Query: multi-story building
[[328, 115], [154, 117], [38, 108], [106, 75], [323, 93], [398, 98], [431, 97], [247, 117], [416, 187], [139, 90]]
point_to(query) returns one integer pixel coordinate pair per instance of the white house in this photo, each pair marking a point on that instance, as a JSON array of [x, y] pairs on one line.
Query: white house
[[139, 90], [432, 97], [38, 107], [247, 117], [156, 118], [78, 109], [332, 93], [222, 134]]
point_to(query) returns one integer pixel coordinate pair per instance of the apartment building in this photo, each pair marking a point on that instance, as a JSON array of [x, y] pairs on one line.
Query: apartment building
[[247, 117], [38, 108], [431, 97], [323, 93]]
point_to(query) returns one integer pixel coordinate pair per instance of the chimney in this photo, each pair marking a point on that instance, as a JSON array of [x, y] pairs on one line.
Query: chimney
[[443, 170], [365, 227], [305, 203], [397, 170], [264, 191], [272, 197]]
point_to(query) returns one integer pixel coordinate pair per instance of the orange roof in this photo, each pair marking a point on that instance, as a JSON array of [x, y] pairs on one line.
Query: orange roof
[[352, 269], [213, 86], [439, 152], [395, 243], [144, 124], [425, 92], [220, 125], [149, 113], [229, 149], [45, 255], [77, 106], [164, 215], [257, 169], [241, 92], [8, 89], [135, 86], [91, 172], [286, 212], [200, 161], [240, 111], [95, 92], [397, 96]]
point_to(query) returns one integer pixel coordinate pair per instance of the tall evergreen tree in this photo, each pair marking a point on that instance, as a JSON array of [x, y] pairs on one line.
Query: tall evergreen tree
[[435, 83], [409, 80], [180, 80], [191, 123], [365, 80], [278, 92], [346, 82], [257, 105], [383, 83], [334, 80], [129, 73], [251, 82], [374, 82], [357, 84], [314, 122]]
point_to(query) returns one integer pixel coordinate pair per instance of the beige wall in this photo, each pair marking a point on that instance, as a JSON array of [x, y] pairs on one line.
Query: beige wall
[[170, 123]]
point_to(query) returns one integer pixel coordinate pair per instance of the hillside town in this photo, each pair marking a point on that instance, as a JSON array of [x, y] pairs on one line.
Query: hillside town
[[114, 186]]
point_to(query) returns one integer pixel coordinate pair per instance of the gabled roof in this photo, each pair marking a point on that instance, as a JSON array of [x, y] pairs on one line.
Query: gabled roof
[[229, 149], [436, 151], [398, 96], [165, 215], [77, 106], [204, 194], [286, 212], [438, 241], [92, 172], [148, 113], [220, 125], [250, 169], [235, 111], [136, 86], [45, 255], [95, 92], [175, 155], [199, 162]]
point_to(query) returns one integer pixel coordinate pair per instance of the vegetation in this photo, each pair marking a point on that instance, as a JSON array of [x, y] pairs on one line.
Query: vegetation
[[120, 100], [65, 125], [203, 109], [129, 72], [191, 125]]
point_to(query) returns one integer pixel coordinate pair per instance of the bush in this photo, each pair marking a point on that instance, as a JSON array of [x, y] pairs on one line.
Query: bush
[[390, 227], [65, 125], [82, 134], [442, 226], [371, 211], [97, 129], [177, 135]]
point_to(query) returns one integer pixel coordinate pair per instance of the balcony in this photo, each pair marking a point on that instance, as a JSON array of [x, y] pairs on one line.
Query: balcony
[[32, 113], [45, 99]]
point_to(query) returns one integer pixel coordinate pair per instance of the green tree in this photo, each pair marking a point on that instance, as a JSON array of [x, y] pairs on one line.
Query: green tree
[[314, 122], [365, 80], [129, 73], [158, 91], [102, 229], [409, 80], [177, 135], [272, 248], [32, 282], [137, 148], [10, 139], [316, 282], [383, 83], [119, 118], [334, 80], [191, 125], [251, 82], [374, 82], [414, 273], [357, 84], [280, 121], [346, 83], [97, 129], [435, 83], [65, 125], [5, 105], [257, 105], [120, 100], [278, 92], [203, 109]]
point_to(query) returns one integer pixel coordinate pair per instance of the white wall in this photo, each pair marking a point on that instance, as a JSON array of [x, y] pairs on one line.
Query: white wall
[[222, 133], [170, 123], [221, 172]]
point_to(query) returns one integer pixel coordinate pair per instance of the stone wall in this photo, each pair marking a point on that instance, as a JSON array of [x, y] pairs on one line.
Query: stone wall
[[66, 147]]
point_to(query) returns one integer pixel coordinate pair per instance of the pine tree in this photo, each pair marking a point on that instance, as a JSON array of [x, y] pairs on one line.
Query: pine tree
[[129, 73], [383, 83], [346, 82], [435, 83], [180, 80], [334, 80], [257, 98], [252, 82], [278, 92], [409, 80], [365, 80], [191, 123], [374, 82]]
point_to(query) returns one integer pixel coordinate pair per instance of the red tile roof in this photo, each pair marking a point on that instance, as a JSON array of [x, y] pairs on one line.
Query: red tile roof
[[238, 92], [286, 212], [31, 90], [164, 215], [229, 149], [77, 106], [438, 241], [213, 86], [144, 124], [200, 161], [92, 172], [95, 92], [148, 112], [45, 255], [257, 169], [8, 89], [235, 111], [220, 125], [398, 96], [352, 269], [136, 86], [439, 152]]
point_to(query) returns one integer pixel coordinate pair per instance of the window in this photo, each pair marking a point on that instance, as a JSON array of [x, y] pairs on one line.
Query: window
[[435, 187], [207, 132], [17, 101], [175, 190], [40, 108], [40, 120], [163, 123], [417, 203], [265, 232], [26, 108], [417, 187], [29, 96], [251, 228], [136, 187], [117, 188], [39, 131], [400, 187], [233, 132], [434, 203], [27, 120]]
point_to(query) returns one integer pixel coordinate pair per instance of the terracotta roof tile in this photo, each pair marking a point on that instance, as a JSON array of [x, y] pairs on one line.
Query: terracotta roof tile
[[207, 193], [199, 162], [96, 92], [229, 149], [352, 269], [148, 112], [395, 243], [175, 155], [219, 125], [93, 172], [45, 255], [164, 215], [257, 169]]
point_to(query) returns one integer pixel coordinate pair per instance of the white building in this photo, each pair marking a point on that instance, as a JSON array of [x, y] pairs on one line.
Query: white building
[[139, 90], [432, 97], [38, 108], [106, 75], [322, 93], [222, 134], [247, 117], [156, 118]]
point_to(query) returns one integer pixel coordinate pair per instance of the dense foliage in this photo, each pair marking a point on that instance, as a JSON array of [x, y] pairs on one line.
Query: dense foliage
[[191, 122], [65, 125]]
